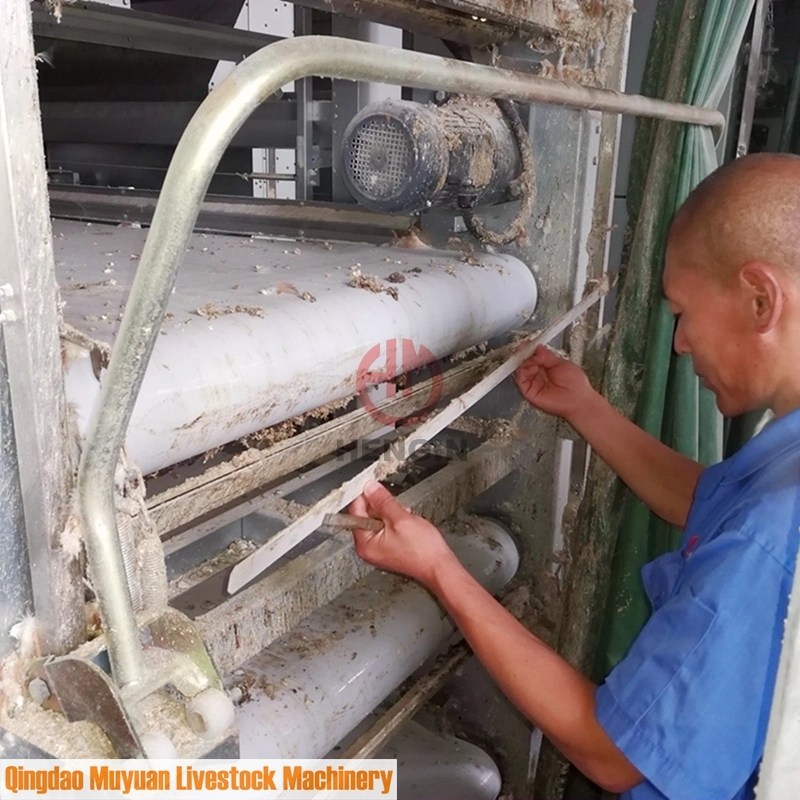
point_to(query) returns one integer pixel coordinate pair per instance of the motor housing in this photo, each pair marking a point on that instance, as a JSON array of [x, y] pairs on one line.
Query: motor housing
[[402, 157]]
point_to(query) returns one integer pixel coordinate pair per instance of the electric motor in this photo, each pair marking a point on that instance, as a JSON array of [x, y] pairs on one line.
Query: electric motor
[[402, 157]]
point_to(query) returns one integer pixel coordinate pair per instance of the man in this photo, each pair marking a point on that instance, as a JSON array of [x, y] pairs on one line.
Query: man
[[684, 715]]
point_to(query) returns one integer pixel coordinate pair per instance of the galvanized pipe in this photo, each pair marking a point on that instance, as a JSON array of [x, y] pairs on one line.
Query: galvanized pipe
[[198, 153]]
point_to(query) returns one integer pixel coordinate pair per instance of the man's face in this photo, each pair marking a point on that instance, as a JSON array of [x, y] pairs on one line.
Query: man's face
[[710, 327]]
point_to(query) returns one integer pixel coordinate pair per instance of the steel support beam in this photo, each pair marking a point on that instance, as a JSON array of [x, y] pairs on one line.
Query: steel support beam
[[163, 122], [95, 23], [521, 14], [752, 79], [427, 18], [32, 349], [253, 216]]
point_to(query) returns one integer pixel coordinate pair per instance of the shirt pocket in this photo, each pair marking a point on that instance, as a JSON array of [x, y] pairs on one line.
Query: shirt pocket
[[659, 670], [660, 577]]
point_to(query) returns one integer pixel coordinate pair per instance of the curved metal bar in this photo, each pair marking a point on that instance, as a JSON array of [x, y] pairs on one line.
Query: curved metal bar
[[198, 153]]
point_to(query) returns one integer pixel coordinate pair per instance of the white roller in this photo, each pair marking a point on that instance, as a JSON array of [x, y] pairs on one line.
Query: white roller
[[431, 765], [211, 381], [314, 685]]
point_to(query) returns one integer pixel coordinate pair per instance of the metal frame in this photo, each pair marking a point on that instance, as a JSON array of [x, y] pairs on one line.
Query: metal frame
[[760, 15], [519, 13], [157, 122], [431, 19], [32, 349], [222, 214], [197, 155], [306, 170]]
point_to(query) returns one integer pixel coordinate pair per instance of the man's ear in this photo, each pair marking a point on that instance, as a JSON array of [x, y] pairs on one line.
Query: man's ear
[[763, 294]]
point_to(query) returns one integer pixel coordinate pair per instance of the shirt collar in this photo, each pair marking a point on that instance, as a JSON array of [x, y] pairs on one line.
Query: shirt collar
[[778, 436]]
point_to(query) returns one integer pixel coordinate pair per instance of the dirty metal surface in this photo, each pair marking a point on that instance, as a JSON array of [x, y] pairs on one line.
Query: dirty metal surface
[[173, 631], [238, 215], [428, 18], [520, 13], [15, 747], [32, 360], [85, 692], [174, 503]]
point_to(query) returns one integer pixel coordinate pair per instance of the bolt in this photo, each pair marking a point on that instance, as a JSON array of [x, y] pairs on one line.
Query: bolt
[[7, 316], [39, 691]]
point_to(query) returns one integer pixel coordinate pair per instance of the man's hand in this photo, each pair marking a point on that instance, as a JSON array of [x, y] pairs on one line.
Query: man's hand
[[553, 384], [559, 700], [662, 478], [408, 544]]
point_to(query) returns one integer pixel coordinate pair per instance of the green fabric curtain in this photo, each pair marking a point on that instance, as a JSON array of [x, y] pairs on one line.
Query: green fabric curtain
[[673, 405]]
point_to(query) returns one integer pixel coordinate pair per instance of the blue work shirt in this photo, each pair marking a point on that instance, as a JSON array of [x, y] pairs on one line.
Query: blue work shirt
[[690, 702]]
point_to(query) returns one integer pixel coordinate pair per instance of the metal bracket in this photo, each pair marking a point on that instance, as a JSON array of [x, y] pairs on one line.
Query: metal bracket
[[79, 688]]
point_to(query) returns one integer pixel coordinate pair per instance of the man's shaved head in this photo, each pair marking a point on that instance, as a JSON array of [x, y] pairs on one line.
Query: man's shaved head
[[732, 280], [746, 211]]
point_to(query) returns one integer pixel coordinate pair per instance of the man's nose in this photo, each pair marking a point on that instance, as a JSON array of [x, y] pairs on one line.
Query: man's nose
[[679, 342]]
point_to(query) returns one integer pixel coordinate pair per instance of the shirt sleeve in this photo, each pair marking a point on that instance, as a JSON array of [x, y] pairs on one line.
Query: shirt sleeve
[[689, 704]]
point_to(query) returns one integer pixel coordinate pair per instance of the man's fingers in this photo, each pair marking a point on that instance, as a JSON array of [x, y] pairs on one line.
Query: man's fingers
[[530, 383], [382, 501], [526, 373], [358, 508], [545, 357]]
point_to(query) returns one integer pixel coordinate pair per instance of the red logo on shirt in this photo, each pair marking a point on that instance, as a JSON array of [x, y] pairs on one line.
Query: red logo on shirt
[[691, 545]]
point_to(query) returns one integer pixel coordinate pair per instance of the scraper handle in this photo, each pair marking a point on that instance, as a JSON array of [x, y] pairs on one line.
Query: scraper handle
[[351, 522]]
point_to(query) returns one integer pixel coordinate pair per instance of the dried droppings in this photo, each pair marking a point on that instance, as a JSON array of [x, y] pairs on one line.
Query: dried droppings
[[369, 282], [396, 277], [308, 296], [469, 352], [210, 311]]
